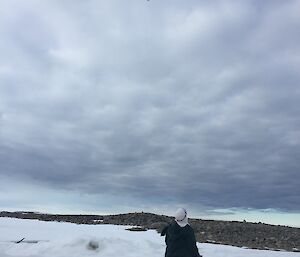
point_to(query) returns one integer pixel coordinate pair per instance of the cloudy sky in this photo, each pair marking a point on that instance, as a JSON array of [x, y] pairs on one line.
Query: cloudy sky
[[116, 106]]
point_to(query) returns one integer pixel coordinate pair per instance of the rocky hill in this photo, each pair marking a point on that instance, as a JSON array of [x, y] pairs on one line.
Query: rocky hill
[[242, 234]]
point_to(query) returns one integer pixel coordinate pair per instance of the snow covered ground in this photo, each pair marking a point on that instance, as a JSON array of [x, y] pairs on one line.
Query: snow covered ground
[[71, 240]]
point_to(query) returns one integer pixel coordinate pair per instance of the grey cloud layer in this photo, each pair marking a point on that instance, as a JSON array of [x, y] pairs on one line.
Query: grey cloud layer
[[168, 102]]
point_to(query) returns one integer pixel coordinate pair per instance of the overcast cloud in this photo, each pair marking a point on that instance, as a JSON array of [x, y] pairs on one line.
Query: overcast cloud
[[150, 103]]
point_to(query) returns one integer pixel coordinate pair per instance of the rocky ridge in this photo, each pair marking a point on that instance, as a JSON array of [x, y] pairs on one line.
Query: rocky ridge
[[241, 234]]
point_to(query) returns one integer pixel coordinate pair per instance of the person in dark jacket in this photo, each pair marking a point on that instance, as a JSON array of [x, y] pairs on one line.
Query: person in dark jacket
[[180, 237]]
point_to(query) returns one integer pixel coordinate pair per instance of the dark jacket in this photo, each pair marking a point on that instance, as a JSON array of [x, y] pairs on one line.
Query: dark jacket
[[180, 241]]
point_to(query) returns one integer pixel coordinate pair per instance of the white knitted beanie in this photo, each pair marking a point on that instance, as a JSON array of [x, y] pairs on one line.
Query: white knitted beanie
[[181, 217]]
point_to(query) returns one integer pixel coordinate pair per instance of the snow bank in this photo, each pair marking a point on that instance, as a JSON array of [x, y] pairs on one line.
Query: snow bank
[[66, 239]]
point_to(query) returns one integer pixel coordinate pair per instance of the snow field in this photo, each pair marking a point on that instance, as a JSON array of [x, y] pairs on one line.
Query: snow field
[[71, 240]]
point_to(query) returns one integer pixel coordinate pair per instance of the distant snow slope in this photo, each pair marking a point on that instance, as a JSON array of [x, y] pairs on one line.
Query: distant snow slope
[[71, 240]]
